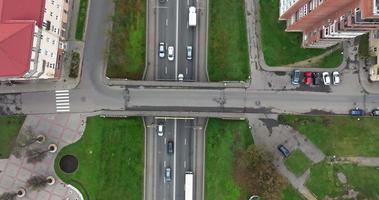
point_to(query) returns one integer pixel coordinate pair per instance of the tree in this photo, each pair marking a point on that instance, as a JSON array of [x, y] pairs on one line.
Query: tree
[[8, 196], [39, 182], [27, 137], [256, 174]]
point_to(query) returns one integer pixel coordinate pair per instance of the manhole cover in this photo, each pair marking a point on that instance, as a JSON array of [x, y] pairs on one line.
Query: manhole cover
[[68, 163]]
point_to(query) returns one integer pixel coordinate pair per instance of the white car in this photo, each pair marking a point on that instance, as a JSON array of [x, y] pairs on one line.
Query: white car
[[336, 78], [170, 53], [160, 130], [326, 78], [180, 77]]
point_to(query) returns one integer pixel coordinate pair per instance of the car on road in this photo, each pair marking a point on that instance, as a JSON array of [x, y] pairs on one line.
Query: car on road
[[336, 78], [189, 52], [308, 78], [167, 174], [356, 112], [326, 78], [296, 77], [170, 53], [180, 77], [170, 147], [162, 1], [285, 152], [316, 78], [160, 129], [375, 112], [162, 49]]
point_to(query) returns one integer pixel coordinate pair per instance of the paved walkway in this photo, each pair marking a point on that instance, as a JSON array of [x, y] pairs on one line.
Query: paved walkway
[[268, 134], [59, 129], [362, 161]]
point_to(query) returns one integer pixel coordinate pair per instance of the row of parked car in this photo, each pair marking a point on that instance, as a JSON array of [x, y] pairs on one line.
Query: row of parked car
[[315, 78], [360, 112]]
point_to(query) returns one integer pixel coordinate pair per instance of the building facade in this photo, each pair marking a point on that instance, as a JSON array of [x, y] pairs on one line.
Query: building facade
[[325, 23], [32, 38]]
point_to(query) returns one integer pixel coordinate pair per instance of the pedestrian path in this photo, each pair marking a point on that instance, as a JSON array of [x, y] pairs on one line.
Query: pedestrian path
[[62, 100]]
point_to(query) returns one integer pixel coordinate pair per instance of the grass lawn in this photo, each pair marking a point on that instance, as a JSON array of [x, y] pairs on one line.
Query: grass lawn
[[338, 135], [224, 139], [228, 56], [332, 60], [289, 193], [111, 159], [10, 126], [323, 180], [298, 162], [363, 50], [81, 21], [279, 47], [126, 54]]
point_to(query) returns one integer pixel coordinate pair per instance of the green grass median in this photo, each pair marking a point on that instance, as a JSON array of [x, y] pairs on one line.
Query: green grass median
[[81, 21], [111, 159], [228, 56], [126, 54], [9, 129]]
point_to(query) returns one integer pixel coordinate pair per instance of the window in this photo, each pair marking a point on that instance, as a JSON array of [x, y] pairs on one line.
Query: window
[[51, 14], [48, 39], [45, 52]]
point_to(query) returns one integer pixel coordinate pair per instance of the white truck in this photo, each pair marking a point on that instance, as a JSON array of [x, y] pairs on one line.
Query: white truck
[[192, 16], [188, 190]]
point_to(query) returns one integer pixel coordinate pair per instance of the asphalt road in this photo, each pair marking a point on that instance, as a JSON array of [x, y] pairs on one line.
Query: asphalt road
[[183, 133], [174, 31]]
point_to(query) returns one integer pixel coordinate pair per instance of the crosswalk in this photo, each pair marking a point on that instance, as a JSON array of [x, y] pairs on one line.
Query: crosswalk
[[62, 100]]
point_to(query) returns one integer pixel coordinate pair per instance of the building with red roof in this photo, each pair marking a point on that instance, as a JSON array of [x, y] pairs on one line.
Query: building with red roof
[[32, 34]]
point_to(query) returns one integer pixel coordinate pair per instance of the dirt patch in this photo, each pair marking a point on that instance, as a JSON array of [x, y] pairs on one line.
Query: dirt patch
[[69, 163]]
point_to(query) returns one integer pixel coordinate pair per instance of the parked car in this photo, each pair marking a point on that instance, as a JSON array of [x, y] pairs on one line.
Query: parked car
[[285, 152], [167, 175], [308, 78], [160, 129], [189, 52], [170, 147], [316, 78], [180, 77], [336, 78], [162, 49], [296, 77], [170, 53], [375, 112], [326, 78], [357, 112]]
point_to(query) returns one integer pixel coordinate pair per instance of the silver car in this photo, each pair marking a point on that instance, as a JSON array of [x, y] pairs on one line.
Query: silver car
[[167, 174], [189, 52], [162, 49]]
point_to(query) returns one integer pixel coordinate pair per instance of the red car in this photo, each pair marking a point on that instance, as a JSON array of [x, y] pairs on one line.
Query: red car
[[308, 78]]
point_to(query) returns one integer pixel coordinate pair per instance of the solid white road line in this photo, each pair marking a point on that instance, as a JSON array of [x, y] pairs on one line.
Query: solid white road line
[[62, 94], [61, 91], [63, 104], [175, 158], [62, 100], [67, 110], [176, 41], [62, 97]]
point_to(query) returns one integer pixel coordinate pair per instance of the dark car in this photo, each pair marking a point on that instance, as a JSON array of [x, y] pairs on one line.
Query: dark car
[[307, 78], [356, 112], [285, 152], [170, 147], [296, 77], [316, 78], [375, 112]]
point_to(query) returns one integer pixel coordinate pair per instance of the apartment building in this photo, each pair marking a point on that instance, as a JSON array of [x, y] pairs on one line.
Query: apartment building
[[325, 23], [32, 38]]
